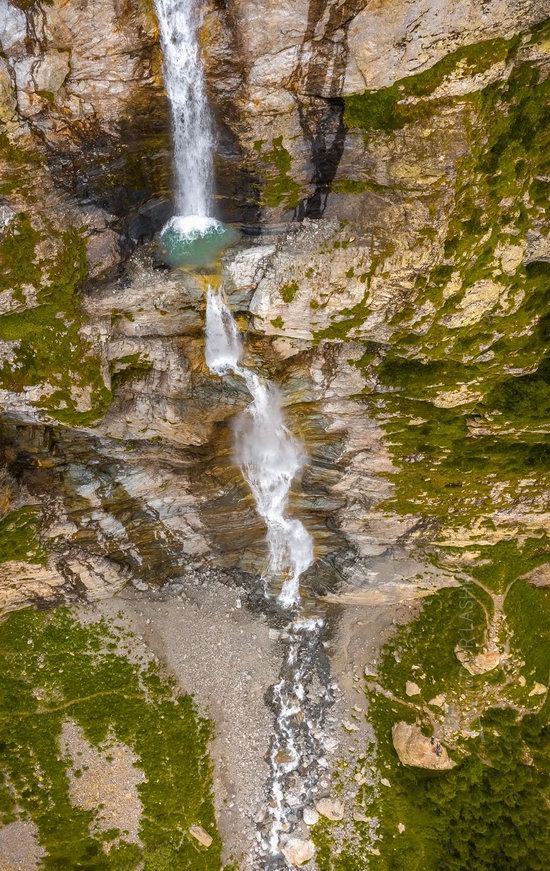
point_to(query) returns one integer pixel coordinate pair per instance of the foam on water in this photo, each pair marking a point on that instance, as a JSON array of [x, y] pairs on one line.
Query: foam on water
[[193, 226]]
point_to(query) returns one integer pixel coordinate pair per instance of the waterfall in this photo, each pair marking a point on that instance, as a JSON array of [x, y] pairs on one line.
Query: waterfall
[[268, 454], [191, 122]]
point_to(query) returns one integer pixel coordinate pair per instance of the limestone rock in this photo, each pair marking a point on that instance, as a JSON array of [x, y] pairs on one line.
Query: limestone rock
[[200, 835], [6, 217], [331, 808], [412, 688], [538, 690], [479, 663], [414, 748], [310, 816], [298, 852], [386, 45], [478, 300]]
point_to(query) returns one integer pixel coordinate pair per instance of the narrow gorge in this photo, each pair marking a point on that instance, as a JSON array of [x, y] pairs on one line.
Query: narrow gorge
[[274, 406]]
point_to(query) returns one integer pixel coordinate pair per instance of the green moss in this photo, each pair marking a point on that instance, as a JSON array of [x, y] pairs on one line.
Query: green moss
[[19, 539], [289, 291], [15, 160], [384, 109], [349, 186], [50, 348], [107, 696], [527, 610], [278, 323], [280, 188], [127, 368], [18, 266]]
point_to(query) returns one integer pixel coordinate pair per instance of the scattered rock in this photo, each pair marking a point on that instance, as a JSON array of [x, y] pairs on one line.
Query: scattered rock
[[538, 690], [400, 828], [479, 663], [438, 701], [412, 688], [414, 748], [331, 808], [298, 852], [199, 834], [311, 817], [6, 216], [360, 817]]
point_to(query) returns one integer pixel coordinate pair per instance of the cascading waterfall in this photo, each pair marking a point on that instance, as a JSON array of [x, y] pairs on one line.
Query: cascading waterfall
[[270, 458], [191, 121], [266, 451]]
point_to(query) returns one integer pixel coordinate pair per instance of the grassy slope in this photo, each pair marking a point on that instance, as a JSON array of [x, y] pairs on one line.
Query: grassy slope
[[82, 675]]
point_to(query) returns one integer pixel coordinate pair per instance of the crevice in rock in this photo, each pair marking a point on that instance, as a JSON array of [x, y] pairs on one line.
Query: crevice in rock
[[321, 71]]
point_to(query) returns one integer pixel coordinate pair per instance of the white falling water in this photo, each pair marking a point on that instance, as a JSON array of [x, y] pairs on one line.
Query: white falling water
[[267, 452], [192, 125]]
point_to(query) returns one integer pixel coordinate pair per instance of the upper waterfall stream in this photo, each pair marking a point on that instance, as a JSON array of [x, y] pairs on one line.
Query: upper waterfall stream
[[193, 235], [192, 125]]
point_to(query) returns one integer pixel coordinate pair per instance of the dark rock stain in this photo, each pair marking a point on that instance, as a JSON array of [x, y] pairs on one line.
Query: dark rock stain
[[317, 84]]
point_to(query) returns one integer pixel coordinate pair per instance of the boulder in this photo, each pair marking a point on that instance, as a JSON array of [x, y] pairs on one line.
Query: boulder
[[298, 852], [414, 748], [331, 808], [310, 816], [412, 688], [538, 690], [199, 834], [480, 663]]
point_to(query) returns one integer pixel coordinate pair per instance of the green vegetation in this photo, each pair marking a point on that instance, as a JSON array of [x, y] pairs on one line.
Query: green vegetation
[[482, 814], [280, 188], [50, 350], [289, 291], [488, 813], [54, 668], [19, 536], [384, 109], [465, 397], [14, 160], [463, 392], [129, 367]]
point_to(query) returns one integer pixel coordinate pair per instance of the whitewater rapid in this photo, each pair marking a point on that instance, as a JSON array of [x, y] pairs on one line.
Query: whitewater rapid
[[268, 454]]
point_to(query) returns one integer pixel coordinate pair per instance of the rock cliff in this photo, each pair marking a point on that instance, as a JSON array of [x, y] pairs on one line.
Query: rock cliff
[[387, 164]]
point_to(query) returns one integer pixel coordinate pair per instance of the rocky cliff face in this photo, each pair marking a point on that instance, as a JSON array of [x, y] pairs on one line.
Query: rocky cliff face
[[388, 163], [402, 309]]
